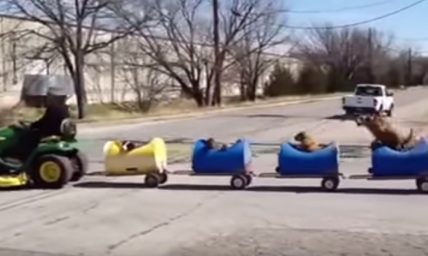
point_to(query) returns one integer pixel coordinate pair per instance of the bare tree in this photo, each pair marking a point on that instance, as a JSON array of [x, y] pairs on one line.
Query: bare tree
[[419, 69], [75, 29], [349, 54], [251, 53], [137, 72], [181, 46]]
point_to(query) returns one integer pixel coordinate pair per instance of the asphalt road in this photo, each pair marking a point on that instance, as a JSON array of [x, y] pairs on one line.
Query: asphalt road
[[201, 216]]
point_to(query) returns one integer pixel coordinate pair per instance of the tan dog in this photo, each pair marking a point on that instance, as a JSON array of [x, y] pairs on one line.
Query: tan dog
[[307, 142], [385, 134]]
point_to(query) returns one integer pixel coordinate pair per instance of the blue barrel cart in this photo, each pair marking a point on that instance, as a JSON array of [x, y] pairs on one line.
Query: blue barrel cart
[[389, 164], [233, 161], [295, 163]]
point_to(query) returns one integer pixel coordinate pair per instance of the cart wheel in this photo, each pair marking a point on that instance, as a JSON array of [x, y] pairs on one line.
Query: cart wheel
[[238, 181], [330, 183], [152, 180], [163, 178], [422, 185], [249, 179]]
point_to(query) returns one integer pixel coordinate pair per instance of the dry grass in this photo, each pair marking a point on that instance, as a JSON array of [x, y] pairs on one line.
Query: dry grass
[[178, 152], [7, 116], [180, 106]]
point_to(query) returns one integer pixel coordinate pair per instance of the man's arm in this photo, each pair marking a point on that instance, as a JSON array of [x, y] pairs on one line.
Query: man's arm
[[39, 123]]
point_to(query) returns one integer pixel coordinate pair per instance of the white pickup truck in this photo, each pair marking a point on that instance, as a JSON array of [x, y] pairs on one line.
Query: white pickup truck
[[369, 98]]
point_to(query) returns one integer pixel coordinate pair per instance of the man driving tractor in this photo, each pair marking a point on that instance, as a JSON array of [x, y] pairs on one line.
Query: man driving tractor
[[48, 125]]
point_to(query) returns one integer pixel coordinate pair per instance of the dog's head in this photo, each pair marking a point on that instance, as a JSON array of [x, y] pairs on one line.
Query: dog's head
[[369, 120], [362, 120], [301, 136], [210, 141]]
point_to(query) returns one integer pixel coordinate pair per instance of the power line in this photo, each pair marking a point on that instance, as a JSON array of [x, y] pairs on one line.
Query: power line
[[351, 8], [359, 22]]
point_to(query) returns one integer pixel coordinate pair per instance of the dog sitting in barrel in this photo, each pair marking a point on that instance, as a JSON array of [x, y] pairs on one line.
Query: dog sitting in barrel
[[212, 144], [385, 134], [128, 145], [307, 143]]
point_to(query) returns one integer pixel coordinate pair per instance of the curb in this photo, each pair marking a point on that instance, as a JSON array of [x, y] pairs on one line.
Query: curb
[[90, 123]]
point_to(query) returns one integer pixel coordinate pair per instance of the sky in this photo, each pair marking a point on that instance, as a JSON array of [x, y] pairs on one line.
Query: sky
[[410, 27]]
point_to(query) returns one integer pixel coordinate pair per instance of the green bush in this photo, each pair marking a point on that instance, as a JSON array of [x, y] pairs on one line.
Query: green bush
[[312, 80], [281, 82]]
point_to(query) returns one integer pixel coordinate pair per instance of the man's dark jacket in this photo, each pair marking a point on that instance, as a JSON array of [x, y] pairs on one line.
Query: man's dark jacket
[[50, 123]]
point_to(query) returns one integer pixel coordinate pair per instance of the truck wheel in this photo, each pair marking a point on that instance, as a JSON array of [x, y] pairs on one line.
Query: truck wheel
[[51, 171]]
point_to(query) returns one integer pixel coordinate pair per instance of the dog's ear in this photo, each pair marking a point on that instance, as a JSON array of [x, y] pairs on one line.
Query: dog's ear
[[300, 136], [377, 118], [359, 120], [372, 117]]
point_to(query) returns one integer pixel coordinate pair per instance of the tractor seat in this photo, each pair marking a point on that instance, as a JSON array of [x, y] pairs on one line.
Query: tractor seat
[[51, 139]]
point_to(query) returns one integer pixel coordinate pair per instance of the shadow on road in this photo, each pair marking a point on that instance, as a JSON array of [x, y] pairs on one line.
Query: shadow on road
[[293, 189], [114, 185], [196, 187], [341, 117], [21, 188], [282, 116], [354, 151], [360, 191]]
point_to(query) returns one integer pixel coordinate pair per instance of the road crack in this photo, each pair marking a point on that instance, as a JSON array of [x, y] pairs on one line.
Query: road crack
[[163, 224]]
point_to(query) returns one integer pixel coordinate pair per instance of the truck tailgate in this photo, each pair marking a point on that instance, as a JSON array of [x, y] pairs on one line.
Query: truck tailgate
[[359, 101]]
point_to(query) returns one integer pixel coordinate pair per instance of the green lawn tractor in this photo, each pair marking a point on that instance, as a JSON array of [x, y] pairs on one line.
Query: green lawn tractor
[[53, 163]]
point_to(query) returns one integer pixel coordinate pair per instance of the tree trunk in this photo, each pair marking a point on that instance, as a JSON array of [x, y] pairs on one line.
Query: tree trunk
[[199, 99], [252, 89], [243, 91], [193, 92], [242, 86], [217, 94], [79, 85], [208, 93]]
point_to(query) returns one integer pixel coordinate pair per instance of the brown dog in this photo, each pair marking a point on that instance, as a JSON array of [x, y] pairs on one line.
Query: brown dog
[[212, 144], [384, 133], [307, 142]]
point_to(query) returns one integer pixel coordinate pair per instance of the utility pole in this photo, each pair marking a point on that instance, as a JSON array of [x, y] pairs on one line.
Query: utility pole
[[409, 67], [112, 72], [3, 57], [217, 82], [370, 55]]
